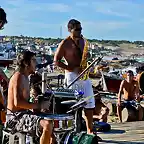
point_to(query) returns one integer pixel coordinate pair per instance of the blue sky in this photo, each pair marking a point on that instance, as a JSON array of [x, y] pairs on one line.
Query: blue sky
[[101, 19]]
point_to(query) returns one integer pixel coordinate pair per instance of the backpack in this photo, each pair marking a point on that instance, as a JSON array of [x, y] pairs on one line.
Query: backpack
[[81, 138]]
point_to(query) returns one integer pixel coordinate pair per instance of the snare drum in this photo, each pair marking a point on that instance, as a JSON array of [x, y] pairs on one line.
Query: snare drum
[[61, 122]]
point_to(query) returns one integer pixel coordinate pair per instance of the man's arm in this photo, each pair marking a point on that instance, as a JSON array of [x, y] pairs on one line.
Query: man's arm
[[120, 91], [137, 92], [59, 55], [19, 100]]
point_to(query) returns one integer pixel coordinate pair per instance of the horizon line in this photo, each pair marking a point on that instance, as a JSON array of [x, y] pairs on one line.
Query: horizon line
[[65, 37]]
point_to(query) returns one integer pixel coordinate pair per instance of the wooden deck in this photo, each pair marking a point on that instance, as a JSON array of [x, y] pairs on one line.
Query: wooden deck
[[124, 133]]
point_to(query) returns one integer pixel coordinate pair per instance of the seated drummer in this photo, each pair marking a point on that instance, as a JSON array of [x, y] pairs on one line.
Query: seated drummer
[[129, 88], [19, 117], [101, 111]]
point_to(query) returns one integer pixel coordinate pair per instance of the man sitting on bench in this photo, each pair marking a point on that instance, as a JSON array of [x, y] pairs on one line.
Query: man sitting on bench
[[19, 117], [129, 88]]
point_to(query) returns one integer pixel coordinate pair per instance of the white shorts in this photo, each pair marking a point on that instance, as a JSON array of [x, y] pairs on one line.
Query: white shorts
[[84, 85]]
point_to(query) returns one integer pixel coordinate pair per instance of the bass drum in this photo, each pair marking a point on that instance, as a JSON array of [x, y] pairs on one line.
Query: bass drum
[[141, 83]]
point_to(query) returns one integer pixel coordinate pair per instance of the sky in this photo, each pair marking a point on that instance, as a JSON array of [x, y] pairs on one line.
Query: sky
[[100, 19]]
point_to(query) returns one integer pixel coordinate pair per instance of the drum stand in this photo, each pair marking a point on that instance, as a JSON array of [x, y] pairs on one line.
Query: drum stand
[[59, 135], [77, 111], [78, 116], [78, 120]]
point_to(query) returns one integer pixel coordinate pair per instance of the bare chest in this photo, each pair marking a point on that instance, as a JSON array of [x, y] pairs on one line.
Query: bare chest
[[26, 88], [74, 50], [130, 88]]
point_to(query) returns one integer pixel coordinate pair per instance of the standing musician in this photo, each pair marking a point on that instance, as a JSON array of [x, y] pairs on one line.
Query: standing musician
[[19, 117], [74, 50], [130, 90]]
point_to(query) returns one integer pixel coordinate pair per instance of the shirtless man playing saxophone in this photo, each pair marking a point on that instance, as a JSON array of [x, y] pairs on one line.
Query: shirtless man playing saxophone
[[130, 90], [72, 49]]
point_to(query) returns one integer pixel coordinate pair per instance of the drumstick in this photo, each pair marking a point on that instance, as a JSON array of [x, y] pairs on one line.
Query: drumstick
[[89, 97], [81, 74], [98, 60], [82, 99], [104, 82]]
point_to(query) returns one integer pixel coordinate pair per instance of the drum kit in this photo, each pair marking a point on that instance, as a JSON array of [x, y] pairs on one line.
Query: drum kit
[[68, 122], [71, 121], [62, 123]]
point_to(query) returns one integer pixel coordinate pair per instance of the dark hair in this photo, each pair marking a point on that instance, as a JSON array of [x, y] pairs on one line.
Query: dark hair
[[130, 72], [72, 23], [37, 89], [24, 57], [3, 15]]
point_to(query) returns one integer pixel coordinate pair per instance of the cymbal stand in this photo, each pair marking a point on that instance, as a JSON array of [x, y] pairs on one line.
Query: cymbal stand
[[44, 89]]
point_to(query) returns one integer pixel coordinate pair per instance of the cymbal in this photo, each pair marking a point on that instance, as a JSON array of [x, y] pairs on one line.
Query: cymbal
[[69, 102]]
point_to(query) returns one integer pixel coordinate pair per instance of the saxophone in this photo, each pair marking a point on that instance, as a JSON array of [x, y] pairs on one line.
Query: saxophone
[[84, 63]]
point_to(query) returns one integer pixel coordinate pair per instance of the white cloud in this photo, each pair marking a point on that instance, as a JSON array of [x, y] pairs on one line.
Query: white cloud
[[109, 11], [29, 6], [120, 8], [105, 25], [30, 17], [99, 17]]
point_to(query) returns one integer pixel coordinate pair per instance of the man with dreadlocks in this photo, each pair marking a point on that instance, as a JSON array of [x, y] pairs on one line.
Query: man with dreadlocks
[[74, 50]]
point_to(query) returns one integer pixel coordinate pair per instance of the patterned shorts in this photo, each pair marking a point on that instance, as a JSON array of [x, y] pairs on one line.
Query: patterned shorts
[[23, 121]]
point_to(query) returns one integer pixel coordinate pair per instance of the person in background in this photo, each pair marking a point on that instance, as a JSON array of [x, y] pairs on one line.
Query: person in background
[[3, 78], [130, 89], [138, 71], [101, 111], [3, 21], [3, 18]]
